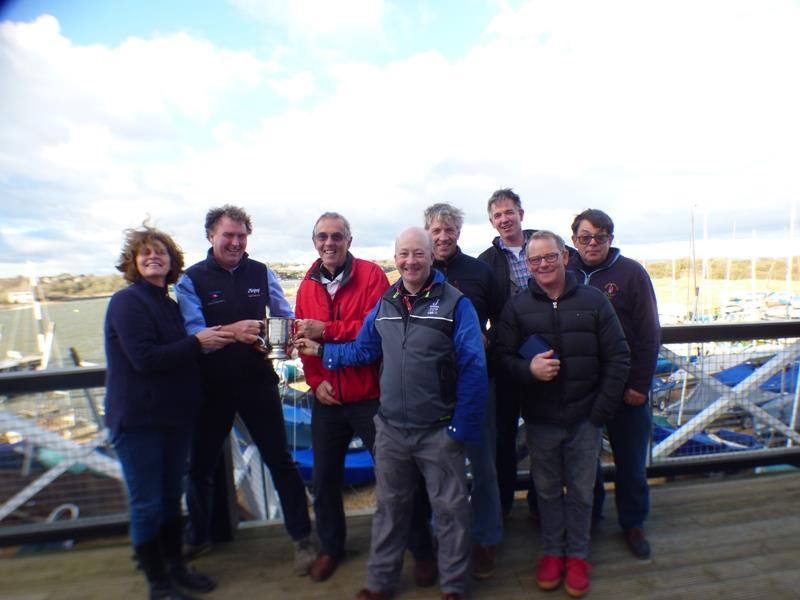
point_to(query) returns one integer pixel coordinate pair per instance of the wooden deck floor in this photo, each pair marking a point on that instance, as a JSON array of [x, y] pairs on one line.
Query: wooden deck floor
[[731, 538]]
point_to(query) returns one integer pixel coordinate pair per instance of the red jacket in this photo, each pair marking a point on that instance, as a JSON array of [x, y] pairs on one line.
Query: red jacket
[[362, 285]]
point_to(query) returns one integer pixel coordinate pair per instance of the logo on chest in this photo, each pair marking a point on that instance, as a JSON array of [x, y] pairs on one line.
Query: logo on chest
[[433, 309], [253, 292], [611, 289], [215, 297]]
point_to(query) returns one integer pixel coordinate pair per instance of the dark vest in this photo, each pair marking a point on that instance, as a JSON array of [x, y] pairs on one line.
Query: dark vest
[[418, 374], [227, 297]]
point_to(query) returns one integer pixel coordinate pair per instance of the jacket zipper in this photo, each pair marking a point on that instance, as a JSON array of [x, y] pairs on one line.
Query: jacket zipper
[[338, 375], [557, 324], [403, 362]]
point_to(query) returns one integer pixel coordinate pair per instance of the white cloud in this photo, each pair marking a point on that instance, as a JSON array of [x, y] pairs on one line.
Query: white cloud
[[673, 106], [294, 88]]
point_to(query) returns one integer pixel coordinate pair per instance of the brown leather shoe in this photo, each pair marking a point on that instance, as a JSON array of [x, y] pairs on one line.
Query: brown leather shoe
[[452, 596], [323, 567], [368, 594], [483, 558], [425, 572]]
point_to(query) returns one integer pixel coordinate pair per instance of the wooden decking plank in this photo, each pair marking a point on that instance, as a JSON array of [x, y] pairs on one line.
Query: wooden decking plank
[[729, 539]]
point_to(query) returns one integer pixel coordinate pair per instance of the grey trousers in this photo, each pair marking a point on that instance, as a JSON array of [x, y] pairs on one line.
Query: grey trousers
[[400, 455], [564, 462]]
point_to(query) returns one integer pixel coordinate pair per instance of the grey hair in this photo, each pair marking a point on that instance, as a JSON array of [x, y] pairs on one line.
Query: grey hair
[[446, 213], [333, 215], [544, 234]]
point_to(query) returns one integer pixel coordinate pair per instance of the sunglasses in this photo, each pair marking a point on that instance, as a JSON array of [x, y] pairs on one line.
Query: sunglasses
[[323, 236], [600, 238]]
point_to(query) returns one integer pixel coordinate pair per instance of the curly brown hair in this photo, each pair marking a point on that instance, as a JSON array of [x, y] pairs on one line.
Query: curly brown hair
[[135, 240], [234, 213]]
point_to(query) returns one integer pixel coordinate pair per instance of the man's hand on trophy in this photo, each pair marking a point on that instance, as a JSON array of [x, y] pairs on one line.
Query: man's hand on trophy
[[262, 340], [307, 346], [245, 331], [309, 328]]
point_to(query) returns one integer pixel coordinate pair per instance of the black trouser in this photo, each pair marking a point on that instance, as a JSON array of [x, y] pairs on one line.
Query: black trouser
[[259, 406], [332, 429], [508, 411]]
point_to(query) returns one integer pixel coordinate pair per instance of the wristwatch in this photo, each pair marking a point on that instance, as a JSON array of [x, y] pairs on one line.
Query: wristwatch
[[320, 349]]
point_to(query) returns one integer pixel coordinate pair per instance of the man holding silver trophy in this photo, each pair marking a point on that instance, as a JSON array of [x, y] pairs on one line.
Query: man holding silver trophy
[[233, 291], [337, 293]]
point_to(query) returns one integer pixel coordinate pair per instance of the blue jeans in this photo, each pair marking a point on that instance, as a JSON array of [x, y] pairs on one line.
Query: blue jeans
[[154, 462], [564, 467], [487, 519], [629, 433]]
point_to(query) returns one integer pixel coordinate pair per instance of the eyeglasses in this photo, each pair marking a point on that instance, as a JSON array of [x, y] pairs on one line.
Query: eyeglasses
[[600, 238], [323, 236], [548, 258]]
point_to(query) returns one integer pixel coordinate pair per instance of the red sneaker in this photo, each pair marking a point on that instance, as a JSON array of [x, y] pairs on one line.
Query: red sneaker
[[548, 575], [577, 580]]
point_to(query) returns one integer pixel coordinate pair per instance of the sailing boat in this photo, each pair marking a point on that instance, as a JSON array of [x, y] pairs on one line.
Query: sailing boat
[[297, 401]]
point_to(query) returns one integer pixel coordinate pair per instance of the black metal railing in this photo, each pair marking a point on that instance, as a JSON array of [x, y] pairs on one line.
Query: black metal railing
[[16, 384]]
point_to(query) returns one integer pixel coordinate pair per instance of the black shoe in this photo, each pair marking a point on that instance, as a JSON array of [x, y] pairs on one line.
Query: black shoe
[[151, 561], [181, 574], [186, 577], [637, 542], [168, 592], [426, 572]]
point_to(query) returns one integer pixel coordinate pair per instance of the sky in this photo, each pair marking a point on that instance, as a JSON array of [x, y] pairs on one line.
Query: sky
[[662, 113]]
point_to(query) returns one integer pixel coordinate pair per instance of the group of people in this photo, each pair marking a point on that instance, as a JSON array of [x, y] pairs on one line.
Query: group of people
[[430, 373]]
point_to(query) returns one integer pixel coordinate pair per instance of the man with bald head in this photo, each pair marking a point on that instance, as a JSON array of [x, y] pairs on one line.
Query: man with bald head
[[433, 390]]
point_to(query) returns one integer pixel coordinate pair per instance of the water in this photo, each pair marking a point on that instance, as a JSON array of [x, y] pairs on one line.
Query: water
[[78, 324]]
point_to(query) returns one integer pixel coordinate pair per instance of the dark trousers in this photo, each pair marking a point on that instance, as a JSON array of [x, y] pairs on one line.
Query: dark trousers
[[259, 406], [153, 463], [629, 433], [332, 430], [508, 411]]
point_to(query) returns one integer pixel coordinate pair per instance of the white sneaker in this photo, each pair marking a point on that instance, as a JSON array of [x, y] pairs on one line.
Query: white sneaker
[[305, 553]]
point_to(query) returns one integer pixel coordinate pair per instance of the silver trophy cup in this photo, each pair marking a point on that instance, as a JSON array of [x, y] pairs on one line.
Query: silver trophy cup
[[279, 333]]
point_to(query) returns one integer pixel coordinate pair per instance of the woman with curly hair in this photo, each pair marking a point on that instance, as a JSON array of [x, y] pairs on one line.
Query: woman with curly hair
[[152, 390]]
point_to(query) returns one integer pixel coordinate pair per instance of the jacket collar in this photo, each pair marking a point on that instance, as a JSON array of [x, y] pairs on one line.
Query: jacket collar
[[212, 262], [613, 257], [442, 265], [433, 290], [570, 284], [315, 272], [526, 234], [149, 288]]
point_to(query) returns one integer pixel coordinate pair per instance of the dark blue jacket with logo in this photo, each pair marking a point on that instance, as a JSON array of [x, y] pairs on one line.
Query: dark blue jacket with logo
[[627, 285], [225, 297]]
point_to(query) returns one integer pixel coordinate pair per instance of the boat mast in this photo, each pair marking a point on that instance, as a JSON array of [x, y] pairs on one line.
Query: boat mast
[[792, 215]]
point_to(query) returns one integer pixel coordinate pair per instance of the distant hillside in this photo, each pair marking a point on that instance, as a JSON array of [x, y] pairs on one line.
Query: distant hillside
[[65, 286], [73, 287], [766, 268]]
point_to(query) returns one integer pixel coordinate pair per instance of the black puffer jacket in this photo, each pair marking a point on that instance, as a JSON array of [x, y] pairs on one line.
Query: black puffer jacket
[[582, 327]]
